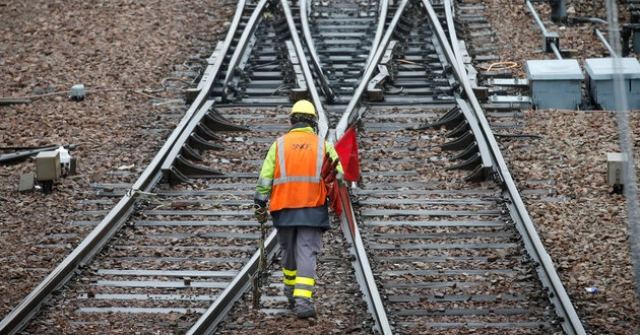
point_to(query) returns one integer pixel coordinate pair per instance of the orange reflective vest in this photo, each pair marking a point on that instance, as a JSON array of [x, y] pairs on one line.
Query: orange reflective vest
[[296, 180]]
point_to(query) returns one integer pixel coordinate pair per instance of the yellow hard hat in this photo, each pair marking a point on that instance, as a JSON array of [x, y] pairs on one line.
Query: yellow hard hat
[[303, 107]]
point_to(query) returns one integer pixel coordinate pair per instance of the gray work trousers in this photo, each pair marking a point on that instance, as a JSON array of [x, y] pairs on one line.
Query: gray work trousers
[[300, 249]]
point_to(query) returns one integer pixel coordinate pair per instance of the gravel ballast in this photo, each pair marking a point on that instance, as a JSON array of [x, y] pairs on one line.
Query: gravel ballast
[[127, 52], [521, 39], [582, 223], [134, 57]]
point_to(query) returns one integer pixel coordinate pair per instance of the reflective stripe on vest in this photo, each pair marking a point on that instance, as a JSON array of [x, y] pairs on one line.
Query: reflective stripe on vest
[[303, 186]]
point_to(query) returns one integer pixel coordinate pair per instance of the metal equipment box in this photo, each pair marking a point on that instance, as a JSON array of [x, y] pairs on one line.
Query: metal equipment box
[[615, 166], [555, 83], [601, 72], [48, 165]]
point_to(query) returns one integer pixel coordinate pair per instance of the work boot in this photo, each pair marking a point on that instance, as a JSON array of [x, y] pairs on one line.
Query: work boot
[[304, 308], [288, 292]]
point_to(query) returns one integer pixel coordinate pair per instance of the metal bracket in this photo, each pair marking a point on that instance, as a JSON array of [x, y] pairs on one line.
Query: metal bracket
[[551, 37], [234, 88], [374, 87]]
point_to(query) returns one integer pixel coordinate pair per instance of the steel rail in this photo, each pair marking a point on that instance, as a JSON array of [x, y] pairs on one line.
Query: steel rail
[[357, 95], [306, 32], [211, 318], [483, 147], [215, 71], [604, 41], [383, 8], [453, 37], [555, 50], [536, 17], [559, 298], [242, 42], [362, 267], [113, 221], [364, 273], [551, 45], [323, 121]]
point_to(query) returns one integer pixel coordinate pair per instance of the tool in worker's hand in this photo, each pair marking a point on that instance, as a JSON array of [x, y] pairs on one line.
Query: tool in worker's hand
[[332, 182], [260, 213], [261, 273], [328, 172]]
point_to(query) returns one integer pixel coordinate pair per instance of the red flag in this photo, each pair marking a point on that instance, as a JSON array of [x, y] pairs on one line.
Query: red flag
[[334, 197], [347, 149]]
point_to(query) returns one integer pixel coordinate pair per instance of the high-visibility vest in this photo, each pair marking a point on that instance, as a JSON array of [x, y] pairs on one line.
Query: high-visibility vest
[[297, 182]]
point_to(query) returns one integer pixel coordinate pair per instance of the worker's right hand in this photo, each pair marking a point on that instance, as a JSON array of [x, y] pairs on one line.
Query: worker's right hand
[[261, 213]]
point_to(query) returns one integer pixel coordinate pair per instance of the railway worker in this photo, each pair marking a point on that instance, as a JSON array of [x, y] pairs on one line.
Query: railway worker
[[291, 183]]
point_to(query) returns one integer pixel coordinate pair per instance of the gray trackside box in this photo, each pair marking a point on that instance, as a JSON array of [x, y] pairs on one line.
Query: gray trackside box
[[601, 73], [615, 162], [555, 83], [48, 165]]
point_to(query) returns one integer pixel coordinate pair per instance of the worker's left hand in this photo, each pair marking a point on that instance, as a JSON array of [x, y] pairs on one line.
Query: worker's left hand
[[261, 213]]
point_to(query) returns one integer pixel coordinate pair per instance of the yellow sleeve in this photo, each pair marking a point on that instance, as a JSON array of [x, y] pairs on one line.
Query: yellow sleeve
[[331, 150], [265, 180]]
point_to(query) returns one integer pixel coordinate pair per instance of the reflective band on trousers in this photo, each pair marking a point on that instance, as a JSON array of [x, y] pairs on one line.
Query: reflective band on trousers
[[304, 287], [289, 277], [305, 281], [298, 292]]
